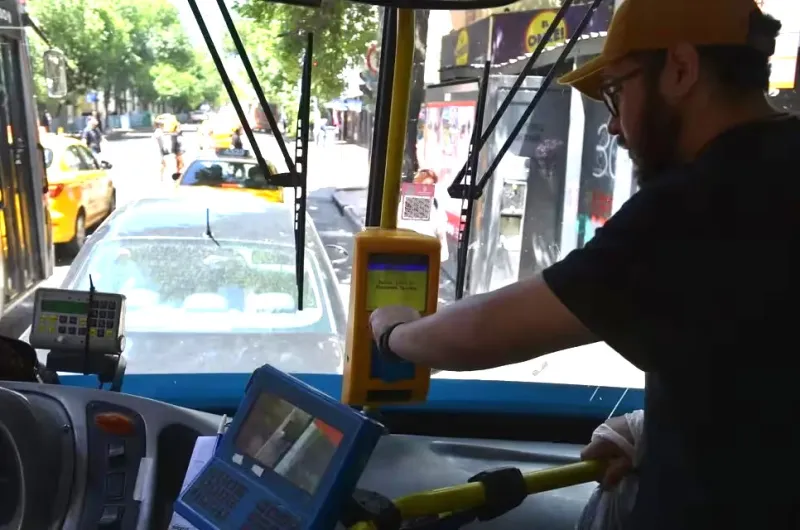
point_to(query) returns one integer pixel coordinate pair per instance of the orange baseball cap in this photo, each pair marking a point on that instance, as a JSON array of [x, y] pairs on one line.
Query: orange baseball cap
[[642, 25]]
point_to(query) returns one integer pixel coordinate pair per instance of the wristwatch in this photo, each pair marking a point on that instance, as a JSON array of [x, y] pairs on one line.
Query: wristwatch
[[383, 344]]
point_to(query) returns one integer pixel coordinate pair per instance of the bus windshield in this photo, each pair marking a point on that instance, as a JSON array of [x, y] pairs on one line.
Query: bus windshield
[[561, 180]]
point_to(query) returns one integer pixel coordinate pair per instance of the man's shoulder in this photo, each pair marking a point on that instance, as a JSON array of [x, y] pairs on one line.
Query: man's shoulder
[[771, 142]]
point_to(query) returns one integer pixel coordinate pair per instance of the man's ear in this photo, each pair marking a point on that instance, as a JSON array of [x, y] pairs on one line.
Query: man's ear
[[681, 72]]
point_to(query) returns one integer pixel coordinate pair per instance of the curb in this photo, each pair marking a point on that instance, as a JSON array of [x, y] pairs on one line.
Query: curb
[[347, 210]]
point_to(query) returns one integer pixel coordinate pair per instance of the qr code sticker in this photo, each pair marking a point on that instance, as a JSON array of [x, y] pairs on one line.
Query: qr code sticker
[[416, 208]]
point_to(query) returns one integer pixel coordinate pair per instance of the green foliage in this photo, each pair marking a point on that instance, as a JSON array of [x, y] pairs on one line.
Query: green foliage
[[116, 45], [274, 37]]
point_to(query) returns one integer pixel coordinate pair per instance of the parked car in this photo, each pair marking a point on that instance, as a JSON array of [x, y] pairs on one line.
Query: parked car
[[81, 192]]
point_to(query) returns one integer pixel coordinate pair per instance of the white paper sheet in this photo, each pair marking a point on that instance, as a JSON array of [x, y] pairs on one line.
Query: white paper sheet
[[203, 452]]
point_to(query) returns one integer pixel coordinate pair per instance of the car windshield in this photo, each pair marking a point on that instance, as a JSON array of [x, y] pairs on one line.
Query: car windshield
[[214, 308], [238, 287], [224, 303], [222, 173]]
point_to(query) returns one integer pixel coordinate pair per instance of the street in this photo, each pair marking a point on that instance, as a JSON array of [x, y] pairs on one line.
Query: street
[[136, 174]]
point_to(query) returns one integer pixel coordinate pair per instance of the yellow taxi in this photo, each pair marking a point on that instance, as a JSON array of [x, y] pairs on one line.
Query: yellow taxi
[[217, 133], [80, 191], [231, 169]]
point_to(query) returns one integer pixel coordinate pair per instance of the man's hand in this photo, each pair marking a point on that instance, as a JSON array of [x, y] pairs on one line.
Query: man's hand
[[385, 317], [617, 460]]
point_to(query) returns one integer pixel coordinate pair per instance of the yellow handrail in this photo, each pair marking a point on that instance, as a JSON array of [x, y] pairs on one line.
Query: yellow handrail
[[398, 117], [463, 497]]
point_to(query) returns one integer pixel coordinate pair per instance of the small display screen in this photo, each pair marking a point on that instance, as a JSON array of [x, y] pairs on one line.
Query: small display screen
[[65, 306], [397, 279], [289, 441]]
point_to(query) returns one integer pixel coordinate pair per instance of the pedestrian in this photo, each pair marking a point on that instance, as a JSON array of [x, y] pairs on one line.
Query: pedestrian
[[236, 139], [671, 281], [177, 147], [163, 143], [93, 136], [47, 121]]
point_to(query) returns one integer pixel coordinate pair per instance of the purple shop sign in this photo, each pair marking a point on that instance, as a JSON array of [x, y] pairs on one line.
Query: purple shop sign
[[517, 34]]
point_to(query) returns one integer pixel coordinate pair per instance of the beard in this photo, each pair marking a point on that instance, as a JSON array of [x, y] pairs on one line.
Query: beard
[[655, 149]]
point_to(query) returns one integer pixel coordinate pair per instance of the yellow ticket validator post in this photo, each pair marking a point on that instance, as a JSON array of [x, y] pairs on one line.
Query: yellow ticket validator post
[[390, 267]]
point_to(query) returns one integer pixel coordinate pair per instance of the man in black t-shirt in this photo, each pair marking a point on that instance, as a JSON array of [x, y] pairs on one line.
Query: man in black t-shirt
[[693, 280]]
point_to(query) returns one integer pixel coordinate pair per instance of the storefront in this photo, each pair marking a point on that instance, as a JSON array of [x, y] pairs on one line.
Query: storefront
[[508, 39], [563, 176]]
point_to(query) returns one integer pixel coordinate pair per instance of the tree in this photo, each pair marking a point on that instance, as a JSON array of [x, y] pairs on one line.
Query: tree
[[280, 87], [342, 30], [85, 31], [121, 45]]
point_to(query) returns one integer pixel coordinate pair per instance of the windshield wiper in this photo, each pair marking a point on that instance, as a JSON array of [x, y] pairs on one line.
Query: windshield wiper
[[208, 227], [294, 178]]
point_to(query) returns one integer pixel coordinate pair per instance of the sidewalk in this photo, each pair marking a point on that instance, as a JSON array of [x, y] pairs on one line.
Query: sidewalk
[[117, 134]]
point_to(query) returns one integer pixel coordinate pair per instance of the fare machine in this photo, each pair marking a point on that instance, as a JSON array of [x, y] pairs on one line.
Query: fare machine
[[84, 332], [290, 459], [390, 267]]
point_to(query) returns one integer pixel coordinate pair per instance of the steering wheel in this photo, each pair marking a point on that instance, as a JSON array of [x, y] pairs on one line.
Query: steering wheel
[[29, 466]]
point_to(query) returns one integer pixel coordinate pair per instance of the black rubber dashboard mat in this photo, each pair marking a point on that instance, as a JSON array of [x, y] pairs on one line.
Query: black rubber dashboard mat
[[408, 464]]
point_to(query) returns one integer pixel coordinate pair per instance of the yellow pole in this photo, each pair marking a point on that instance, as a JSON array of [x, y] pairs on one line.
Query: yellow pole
[[398, 117]]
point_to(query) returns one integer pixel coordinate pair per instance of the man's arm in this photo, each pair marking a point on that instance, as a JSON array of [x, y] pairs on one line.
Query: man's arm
[[598, 292], [513, 324]]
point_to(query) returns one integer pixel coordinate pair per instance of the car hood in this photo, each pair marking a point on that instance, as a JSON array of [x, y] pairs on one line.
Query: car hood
[[189, 353]]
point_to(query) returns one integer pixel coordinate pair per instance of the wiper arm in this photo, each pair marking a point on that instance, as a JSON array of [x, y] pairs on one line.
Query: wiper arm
[[262, 100], [226, 81], [301, 161], [294, 178], [208, 227]]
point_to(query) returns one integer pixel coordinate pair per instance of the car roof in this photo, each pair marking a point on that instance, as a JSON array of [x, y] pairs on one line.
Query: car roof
[[182, 213], [229, 159], [56, 141]]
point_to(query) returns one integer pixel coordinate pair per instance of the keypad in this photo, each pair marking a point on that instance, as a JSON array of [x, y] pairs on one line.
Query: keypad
[[216, 493], [101, 322], [267, 516]]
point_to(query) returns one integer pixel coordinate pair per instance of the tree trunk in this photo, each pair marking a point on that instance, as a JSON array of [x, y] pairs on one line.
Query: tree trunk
[[417, 96]]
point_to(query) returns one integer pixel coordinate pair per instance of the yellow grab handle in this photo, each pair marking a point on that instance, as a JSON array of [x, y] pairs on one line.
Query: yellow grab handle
[[467, 496], [398, 117]]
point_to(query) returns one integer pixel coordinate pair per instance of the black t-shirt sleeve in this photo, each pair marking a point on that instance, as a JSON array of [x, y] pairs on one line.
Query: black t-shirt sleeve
[[612, 284]]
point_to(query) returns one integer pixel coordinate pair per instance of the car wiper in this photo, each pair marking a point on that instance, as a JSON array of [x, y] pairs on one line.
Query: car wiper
[[297, 175], [210, 234]]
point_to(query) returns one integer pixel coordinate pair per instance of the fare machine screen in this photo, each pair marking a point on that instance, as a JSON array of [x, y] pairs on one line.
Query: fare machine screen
[[290, 459], [397, 279]]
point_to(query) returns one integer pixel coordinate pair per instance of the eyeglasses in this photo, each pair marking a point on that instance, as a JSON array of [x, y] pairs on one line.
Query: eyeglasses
[[611, 89]]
